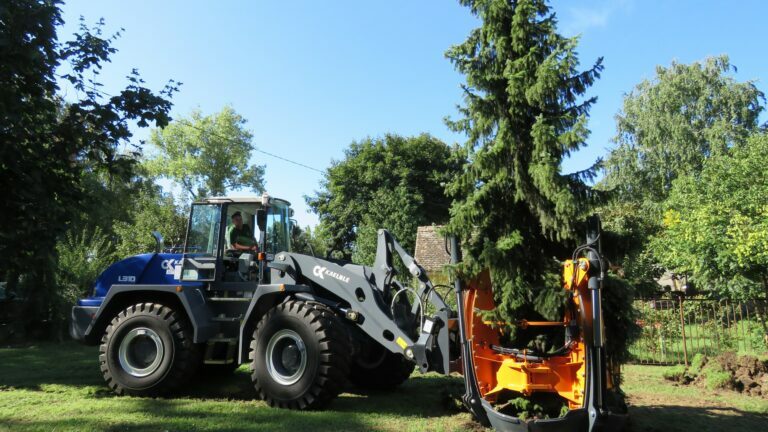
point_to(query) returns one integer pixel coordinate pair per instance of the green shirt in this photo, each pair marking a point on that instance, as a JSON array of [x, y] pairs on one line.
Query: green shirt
[[242, 236]]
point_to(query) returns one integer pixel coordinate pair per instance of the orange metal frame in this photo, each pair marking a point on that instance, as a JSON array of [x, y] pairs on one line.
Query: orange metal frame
[[496, 372]]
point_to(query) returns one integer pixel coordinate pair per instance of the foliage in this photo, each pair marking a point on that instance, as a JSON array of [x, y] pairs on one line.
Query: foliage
[[524, 111], [82, 256], [671, 125], [716, 222], [721, 334], [206, 155], [391, 211], [153, 211], [660, 330], [308, 242], [667, 128], [534, 406], [49, 145], [620, 318], [393, 182], [625, 237], [757, 337]]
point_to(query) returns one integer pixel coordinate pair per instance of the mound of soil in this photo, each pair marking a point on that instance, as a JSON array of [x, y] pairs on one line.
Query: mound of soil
[[749, 375], [744, 374]]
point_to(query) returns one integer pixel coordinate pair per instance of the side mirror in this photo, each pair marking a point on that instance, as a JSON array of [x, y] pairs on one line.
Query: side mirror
[[158, 241], [261, 219]]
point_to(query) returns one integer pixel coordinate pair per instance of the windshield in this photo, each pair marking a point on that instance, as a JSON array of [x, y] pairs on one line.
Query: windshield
[[278, 238], [204, 225]]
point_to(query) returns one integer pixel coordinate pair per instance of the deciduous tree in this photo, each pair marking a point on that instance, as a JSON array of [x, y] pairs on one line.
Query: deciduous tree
[[668, 127], [152, 210], [49, 144], [307, 241], [207, 155], [393, 182], [715, 226]]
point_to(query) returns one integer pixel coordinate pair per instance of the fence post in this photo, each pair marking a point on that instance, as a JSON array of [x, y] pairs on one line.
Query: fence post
[[682, 326]]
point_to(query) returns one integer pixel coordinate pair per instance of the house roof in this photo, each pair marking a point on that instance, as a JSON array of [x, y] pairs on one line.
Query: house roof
[[430, 248]]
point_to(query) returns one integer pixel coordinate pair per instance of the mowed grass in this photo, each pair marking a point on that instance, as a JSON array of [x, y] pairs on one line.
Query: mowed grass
[[59, 387]]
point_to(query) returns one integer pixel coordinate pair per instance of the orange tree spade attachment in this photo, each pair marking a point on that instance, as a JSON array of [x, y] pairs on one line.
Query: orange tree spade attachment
[[577, 372]]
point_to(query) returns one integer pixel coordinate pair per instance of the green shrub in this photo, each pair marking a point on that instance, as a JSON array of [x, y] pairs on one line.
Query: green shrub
[[661, 330], [756, 337], [83, 255]]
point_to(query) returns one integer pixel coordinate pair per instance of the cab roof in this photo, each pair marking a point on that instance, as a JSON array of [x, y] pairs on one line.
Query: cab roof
[[241, 199]]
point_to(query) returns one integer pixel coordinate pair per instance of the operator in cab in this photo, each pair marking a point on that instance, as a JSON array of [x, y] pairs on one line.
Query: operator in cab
[[240, 236]]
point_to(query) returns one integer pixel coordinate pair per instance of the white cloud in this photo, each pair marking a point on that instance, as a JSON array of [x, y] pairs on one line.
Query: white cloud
[[578, 20]]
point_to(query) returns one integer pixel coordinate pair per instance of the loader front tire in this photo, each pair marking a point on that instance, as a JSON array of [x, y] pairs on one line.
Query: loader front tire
[[299, 356], [377, 368], [147, 350]]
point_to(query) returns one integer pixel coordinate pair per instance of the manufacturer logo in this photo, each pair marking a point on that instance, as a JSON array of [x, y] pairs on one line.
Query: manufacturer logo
[[322, 272], [169, 265]]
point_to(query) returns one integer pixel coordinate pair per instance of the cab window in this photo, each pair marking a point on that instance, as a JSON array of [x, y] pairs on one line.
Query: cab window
[[204, 225], [248, 214], [278, 239]]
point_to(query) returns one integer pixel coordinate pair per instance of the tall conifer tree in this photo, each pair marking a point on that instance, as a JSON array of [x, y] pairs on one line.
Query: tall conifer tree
[[525, 110]]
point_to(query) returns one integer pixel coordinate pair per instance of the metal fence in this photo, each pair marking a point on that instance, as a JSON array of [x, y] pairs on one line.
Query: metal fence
[[674, 330]]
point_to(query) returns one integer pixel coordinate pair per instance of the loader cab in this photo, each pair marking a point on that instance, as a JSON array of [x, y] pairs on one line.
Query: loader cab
[[208, 252]]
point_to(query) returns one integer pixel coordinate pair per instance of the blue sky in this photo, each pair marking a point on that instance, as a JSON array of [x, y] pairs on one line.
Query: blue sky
[[313, 76]]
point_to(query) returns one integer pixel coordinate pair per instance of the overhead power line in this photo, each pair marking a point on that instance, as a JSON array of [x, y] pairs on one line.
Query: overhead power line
[[187, 123]]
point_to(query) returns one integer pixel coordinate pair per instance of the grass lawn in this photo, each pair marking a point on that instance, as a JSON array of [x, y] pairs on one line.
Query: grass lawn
[[58, 387]]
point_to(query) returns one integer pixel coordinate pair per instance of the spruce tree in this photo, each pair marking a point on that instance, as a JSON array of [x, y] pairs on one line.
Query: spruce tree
[[524, 110]]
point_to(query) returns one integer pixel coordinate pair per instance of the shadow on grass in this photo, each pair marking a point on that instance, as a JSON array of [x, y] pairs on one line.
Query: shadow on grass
[[162, 415], [672, 418], [422, 395], [49, 363]]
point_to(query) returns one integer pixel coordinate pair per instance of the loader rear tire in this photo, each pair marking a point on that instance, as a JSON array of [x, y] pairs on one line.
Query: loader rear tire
[[147, 350], [380, 369], [299, 356]]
